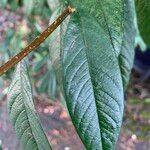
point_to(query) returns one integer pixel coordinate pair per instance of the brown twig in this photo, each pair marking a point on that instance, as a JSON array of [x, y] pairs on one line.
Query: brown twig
[[37, 41]]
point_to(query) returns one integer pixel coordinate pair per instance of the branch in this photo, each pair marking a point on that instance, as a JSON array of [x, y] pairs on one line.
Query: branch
[[37, 41]]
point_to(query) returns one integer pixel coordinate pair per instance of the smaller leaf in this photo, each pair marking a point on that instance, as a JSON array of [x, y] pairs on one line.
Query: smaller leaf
[[54, 40], [55, 43], [28, 4], [14, 4], [52, 84], [138, 38], [48, 84], [143, 19], [40, 63], [92, 82], [23, 114], [126, 56], [53, 4]]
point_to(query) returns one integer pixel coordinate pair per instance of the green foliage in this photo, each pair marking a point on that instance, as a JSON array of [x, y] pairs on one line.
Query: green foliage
[[22, 111], [36, 7], [91, 72], [48, 83], [92, 82], [45, 83], [92, 56], [56, 42], [143, 17], [28, 6], [108, 15], [11, 45], [3, 3], [53, 4], [13, 4], [15, 40], [126, 56]]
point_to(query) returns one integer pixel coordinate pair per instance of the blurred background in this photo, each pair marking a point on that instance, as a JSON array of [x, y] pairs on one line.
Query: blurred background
[[20, 22]]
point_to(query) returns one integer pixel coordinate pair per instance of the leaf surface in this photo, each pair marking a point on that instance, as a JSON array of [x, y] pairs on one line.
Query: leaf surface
[[126, 56], [143, 17], [55, 43], [22, 112], [92, 82], [109, 15]]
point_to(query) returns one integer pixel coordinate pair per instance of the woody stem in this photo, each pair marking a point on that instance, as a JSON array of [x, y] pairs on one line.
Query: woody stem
[[36, 42]]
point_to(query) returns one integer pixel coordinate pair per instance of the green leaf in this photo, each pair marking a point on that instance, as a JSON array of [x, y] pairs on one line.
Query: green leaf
[[40, 8], [109, 14], [53, 4], [138, 38], [92, 82], [22, 112], [143, 17], [40, 62], [13, 4], [126, 56], [28, 6], [48, 84], [55, 43]]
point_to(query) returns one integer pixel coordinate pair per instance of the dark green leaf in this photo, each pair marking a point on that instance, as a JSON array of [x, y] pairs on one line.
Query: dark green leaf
[[40, 63], [126, 56], [92, 81], [109, 14], [23, 114], [48, 84], [52, 84], [13, 4], [143, 17], [55, 42]]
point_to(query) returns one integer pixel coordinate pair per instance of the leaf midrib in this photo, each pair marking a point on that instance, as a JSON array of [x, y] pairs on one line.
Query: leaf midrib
[[22, 91], [109, 33], [84, 40]]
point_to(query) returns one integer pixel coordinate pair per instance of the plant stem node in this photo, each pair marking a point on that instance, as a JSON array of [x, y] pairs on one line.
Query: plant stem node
[[71, 9]]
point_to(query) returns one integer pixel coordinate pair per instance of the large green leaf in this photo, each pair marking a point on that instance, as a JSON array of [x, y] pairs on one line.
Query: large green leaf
[[23, 114], [55, 42], [92, 81], [143, 17], [109, 14], [126, 56]]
